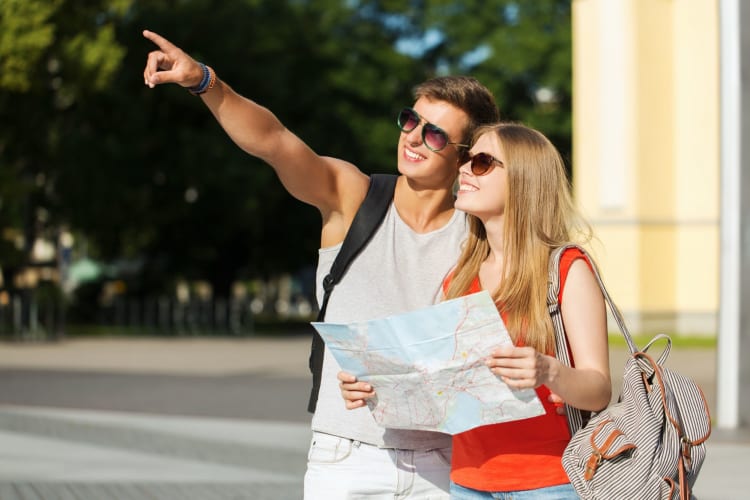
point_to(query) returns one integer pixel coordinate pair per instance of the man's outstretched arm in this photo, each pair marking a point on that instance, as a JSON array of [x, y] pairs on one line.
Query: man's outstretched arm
[[334, 186]]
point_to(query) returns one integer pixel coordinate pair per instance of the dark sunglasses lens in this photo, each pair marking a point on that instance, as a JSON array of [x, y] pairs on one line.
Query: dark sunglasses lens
[[480, 163], [434, 137], [408, 120]]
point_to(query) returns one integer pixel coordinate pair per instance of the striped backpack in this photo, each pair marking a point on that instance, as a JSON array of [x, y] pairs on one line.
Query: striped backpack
[[651, 443]]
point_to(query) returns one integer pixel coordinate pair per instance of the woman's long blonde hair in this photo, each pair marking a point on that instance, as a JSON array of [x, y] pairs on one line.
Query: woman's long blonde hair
[[539, 217]]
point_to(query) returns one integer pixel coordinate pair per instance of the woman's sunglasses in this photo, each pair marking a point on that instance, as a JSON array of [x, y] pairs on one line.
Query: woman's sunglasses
[[433, 136], [483, 163]]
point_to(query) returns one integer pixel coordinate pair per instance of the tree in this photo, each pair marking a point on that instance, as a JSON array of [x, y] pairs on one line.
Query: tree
[[324, 71], [52, 57], [147, 176], [520, 49]]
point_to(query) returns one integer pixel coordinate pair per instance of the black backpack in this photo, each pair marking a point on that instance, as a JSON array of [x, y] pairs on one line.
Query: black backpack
[[365, 223]]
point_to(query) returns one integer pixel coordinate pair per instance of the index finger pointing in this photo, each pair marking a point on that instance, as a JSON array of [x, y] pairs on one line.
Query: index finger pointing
[[159, 40]]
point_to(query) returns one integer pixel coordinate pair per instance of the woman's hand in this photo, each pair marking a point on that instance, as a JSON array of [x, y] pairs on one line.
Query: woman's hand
[[353, 391], [522, 367]]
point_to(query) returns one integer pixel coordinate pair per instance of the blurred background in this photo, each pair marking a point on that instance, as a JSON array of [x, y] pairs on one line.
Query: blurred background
[[124, 208], [127, 209], [152, 275]]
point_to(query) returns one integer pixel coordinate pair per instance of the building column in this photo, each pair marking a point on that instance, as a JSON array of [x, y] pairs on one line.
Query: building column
[[733, 370]]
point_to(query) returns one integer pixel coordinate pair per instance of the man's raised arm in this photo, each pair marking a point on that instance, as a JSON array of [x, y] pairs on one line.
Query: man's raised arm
[[334, 186]]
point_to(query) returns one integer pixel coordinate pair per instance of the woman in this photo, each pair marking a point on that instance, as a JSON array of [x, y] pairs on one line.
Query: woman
[[516, 193]]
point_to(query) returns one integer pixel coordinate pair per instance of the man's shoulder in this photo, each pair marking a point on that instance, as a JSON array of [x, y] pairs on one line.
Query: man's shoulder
[[349, 188], [351, 185]]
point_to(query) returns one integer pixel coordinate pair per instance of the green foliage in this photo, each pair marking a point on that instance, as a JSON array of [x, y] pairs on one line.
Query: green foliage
[[25, 34], [147, 174], [53, 56], [520, 49], [99, 57]]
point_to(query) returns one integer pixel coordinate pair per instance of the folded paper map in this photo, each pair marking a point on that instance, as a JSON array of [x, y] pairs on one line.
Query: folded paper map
[[427, 366]]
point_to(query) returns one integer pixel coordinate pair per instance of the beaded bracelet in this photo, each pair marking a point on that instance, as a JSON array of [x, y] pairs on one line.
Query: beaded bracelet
[[207, 82]]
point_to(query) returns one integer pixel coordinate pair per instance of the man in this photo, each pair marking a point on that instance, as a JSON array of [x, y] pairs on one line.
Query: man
[[400, 269]]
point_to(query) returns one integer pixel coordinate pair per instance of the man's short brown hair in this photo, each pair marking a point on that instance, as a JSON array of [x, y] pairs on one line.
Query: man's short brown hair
[[467, 94]]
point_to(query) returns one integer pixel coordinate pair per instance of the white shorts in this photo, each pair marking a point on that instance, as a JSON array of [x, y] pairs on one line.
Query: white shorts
[[339, 468]]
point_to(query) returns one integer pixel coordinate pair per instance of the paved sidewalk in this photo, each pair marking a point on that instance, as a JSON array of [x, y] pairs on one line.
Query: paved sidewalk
[[71, 451], [55, 454]]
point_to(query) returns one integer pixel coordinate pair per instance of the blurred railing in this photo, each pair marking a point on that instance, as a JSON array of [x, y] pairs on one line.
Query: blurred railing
[[26, 317], [169, 316], [23, 316]]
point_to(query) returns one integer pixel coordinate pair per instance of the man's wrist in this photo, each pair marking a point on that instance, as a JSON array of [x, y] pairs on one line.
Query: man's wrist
[[207, 81]]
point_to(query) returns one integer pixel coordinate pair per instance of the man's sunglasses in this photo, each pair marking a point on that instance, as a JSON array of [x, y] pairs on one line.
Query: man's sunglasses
[[483, 163], [435, 138]]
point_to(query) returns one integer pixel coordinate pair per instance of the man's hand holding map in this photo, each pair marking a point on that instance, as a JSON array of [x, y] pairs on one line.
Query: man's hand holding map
[[427, 366]]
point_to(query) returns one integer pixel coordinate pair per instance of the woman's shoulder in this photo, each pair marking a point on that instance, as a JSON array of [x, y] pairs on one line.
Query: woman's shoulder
[[569, 256], [572, 254]]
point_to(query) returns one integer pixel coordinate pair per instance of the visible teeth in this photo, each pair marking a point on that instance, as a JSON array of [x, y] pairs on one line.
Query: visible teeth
[[413, 155], [467, 187]]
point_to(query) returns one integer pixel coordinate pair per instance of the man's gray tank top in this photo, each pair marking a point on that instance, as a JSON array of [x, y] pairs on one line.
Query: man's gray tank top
[[399, 270]]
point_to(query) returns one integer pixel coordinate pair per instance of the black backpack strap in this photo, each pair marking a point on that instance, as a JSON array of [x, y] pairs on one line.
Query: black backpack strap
[[365, 223]]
